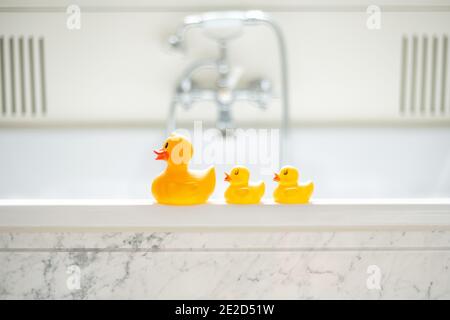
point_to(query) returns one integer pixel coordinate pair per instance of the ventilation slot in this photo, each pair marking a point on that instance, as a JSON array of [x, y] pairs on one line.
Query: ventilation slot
[[424, 74], [22, 77]]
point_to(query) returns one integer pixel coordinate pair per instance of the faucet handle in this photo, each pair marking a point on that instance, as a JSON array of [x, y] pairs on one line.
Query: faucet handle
[[263, 85], [261, 92]]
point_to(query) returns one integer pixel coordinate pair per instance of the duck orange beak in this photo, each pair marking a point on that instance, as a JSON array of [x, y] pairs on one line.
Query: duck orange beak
[[276, 177], [227, 177], [161, 154]]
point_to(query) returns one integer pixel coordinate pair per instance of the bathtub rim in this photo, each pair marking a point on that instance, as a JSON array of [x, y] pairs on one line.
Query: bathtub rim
[[140, 215]]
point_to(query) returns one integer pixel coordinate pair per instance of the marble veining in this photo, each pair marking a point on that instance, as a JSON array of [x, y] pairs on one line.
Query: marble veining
[[227, 240], [228, 265]]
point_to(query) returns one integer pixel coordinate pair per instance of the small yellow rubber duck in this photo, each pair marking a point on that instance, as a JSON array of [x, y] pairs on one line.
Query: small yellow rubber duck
[[240, 190], [288, 190], [177, 184]]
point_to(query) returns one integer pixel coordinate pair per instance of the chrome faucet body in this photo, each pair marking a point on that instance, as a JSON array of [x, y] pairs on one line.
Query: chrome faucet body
[[224, 95]]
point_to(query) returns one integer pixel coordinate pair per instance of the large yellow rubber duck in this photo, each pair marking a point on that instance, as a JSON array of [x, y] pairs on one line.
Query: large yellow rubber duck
[[177, 184], [288, 190], [240, 190]]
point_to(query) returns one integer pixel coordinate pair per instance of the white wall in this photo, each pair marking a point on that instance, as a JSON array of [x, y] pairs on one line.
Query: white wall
[[118, 68]]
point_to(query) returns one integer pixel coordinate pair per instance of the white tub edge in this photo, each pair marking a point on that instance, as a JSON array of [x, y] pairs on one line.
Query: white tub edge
[[144, 215]]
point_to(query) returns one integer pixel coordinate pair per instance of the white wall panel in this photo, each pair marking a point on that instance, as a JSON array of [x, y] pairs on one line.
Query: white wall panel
[[118, 68]]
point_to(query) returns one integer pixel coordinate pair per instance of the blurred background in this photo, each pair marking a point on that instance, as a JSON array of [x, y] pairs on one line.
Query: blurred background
[[86, 90]]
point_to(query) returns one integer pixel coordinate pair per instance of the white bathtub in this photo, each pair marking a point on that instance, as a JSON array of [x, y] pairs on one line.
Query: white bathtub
[[80, 197], [369, 163]]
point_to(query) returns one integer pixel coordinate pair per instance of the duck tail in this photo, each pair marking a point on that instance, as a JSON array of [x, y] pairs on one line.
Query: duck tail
[[309, 188], [211, 175], [261, 189]]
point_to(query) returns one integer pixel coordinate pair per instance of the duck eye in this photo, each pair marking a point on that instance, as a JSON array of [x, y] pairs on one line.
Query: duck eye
[[167, 144], [285, 172], [236, 172]]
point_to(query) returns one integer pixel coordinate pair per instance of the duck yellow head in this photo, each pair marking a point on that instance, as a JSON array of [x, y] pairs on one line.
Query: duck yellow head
[[287, 176], [176, 150], [238, 176]]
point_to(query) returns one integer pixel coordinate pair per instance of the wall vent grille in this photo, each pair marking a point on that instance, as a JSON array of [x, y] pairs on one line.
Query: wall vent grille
[[22, 77], [424, 88]]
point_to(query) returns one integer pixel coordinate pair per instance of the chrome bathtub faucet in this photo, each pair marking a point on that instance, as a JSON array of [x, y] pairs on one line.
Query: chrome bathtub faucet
[[223, 27]]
